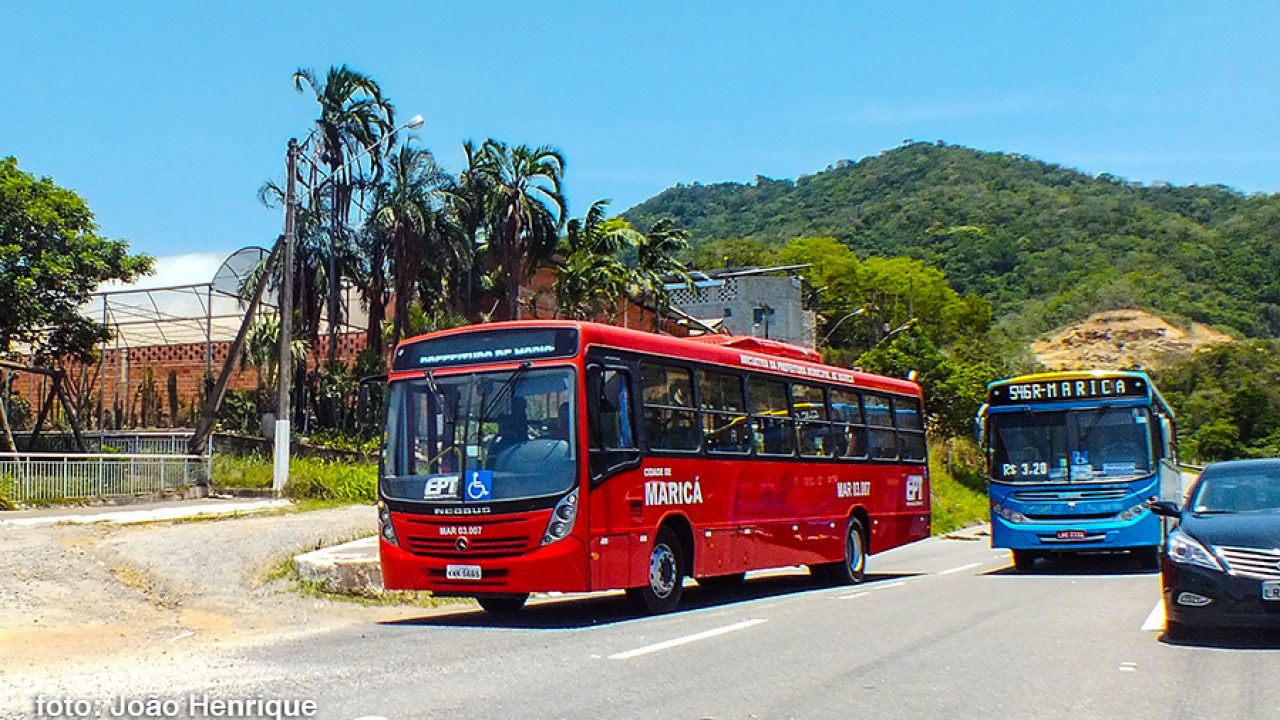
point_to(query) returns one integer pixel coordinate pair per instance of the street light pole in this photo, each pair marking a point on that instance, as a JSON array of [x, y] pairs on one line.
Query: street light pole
[[284, 409]]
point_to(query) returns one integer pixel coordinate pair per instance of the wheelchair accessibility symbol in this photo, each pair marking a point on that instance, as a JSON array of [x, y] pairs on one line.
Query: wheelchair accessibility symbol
[[479, 485]]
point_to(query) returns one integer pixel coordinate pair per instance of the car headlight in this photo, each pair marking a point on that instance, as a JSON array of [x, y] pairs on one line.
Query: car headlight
[[1185, 550], [561, 522], [385, 528]]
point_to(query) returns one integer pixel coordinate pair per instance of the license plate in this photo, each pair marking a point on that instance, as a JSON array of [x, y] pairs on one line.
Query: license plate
[[462, 572], [1071, 535], [1271, 590]]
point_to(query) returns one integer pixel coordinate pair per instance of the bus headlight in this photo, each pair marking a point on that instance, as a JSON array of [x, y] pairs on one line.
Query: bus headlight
[[1185, 550], [561, 522], [1012, 516], [385, 528], [1135, 511]]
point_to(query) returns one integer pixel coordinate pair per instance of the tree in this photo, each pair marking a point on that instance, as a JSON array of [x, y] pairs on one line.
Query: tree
[[525, 208], [591, 279], [657, 263], [51, 260], [410, 226], [354, 119]]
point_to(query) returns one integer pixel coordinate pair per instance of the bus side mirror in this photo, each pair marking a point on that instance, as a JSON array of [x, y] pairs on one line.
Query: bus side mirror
[[1165, 508]]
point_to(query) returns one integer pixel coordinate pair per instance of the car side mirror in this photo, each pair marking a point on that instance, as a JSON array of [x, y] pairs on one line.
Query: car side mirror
[[1164, 508]]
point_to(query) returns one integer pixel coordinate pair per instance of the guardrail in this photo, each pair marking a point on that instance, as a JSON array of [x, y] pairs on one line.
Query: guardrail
[[37, 477]]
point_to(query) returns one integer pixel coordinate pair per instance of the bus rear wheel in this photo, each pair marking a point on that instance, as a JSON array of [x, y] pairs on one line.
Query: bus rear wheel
[[666, 575], [852, 569], [503, 604]]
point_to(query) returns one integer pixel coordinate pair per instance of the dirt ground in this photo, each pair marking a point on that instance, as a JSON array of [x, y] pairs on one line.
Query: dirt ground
[[76, 599]]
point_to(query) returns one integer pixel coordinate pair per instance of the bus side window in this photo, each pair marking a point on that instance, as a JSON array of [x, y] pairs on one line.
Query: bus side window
[[611, 425], [667, 392], [774, 432], [910, 423], [884, 442], [724, 416], [809, 403], [847, 429]]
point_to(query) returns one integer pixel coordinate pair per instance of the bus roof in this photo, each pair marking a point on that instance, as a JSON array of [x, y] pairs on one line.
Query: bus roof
[[743, 352]]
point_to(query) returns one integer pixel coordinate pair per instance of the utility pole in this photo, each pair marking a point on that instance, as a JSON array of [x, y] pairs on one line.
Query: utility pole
[[284, 406]]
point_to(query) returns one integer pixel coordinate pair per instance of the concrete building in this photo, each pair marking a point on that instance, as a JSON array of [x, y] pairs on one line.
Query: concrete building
[[760, 302]]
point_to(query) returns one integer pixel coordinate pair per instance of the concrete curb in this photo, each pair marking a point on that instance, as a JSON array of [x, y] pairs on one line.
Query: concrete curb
[[203, 508], [351, 568]]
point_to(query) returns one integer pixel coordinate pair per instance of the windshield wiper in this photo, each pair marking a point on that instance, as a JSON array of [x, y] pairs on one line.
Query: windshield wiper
[[451, 417], [502, 391]]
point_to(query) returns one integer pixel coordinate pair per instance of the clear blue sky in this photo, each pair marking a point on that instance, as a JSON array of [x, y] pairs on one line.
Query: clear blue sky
[[167, 117]]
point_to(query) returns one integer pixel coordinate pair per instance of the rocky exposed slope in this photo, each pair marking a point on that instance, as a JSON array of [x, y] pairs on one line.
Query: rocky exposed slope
[[1122, 339]]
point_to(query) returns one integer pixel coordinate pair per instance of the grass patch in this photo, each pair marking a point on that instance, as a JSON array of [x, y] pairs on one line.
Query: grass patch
[[959, 485], [324, 482]]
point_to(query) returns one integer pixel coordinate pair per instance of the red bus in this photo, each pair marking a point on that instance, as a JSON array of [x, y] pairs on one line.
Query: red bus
[[565, 456]]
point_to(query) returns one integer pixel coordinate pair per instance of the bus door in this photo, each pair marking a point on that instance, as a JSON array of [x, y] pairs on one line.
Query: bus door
[[612, 450]]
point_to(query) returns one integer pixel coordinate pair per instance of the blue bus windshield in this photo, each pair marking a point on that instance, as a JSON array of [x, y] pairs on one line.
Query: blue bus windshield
[[1087, 445]]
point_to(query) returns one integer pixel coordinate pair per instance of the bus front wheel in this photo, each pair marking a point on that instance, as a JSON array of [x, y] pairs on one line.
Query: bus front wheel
[[1023, 560], [666, 575], [503, 604]]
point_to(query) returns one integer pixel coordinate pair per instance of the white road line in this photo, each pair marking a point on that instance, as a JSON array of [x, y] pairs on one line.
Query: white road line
[[962, 568], [873, 587], [667, 644], [1155, 621]]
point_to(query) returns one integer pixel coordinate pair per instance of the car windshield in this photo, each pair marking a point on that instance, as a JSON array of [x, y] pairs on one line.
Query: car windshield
[[1238, 490], [1070, 445], [480, 437]]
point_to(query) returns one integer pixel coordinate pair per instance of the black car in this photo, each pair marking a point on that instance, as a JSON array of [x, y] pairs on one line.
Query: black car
[[1221, 563]]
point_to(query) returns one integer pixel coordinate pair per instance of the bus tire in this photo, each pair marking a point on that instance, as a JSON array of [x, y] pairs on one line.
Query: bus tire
[[666, 571], [853, 568], [503, 604], [723, 582], [1023, 560]]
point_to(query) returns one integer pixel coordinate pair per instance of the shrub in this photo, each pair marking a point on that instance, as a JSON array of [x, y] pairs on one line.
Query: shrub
[[314, 479], [959, 488]]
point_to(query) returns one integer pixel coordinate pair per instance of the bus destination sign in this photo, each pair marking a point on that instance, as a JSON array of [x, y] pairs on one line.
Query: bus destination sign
[[487, 346], [1021, 393]]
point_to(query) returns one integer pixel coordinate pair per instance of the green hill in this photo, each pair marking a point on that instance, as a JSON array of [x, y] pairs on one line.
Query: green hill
[[1045, 244]]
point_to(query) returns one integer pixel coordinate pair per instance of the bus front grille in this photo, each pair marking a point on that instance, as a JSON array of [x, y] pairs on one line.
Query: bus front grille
[[476, 547], [1069, 495]]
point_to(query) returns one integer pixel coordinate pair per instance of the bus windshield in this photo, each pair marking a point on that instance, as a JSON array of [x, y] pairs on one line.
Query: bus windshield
[[1071, 445], [483, 436]]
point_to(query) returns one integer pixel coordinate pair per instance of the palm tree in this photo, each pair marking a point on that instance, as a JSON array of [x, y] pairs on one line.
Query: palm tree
[[469, 209], [526, 210], [354, 118], [657, 263], [421, 247], [591, 279]]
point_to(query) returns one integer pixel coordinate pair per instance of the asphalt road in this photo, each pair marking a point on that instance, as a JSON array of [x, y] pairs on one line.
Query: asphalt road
[[943, 628]]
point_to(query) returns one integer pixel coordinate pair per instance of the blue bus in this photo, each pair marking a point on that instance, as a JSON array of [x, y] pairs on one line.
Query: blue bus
[[1074, 461]]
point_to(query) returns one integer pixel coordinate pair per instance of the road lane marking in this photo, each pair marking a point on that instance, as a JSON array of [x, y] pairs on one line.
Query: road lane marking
[[872, 588], [1155, 621], [676, 642], [962, 568]]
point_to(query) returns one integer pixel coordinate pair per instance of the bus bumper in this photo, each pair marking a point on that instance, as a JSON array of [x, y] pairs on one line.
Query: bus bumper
[[560, 567], [1142, 531]]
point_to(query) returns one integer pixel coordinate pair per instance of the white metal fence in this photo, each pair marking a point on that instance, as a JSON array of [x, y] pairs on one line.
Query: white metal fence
[[36, 477], [134, 443]]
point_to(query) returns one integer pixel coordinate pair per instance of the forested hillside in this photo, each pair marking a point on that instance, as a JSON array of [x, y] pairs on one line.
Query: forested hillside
[[1045, 244]]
